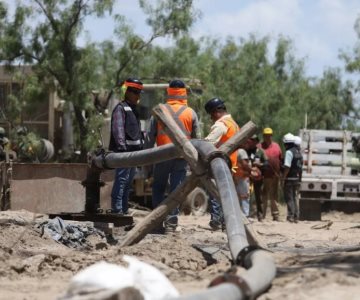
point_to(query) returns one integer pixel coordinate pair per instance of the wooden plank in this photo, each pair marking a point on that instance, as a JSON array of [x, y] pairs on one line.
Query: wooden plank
[[327, 170], [153, 219], [327, 147], [331, 159], [322, 135]]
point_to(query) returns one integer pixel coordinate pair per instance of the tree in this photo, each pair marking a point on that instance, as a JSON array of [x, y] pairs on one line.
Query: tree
[[51, 45], [271, 92]]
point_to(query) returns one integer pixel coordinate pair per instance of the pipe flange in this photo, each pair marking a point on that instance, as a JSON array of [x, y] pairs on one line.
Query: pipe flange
[[218, 154], [103, 160], [231, 277], [240, 259]]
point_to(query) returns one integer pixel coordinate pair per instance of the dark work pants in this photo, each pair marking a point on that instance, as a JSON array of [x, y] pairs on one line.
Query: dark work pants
[[258, 192], [174, 172], [290, 190]]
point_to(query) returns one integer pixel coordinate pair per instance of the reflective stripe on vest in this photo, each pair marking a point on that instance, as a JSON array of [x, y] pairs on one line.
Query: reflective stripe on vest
[[182, 115], [232, 129], [132, 143], [132, 130], [177, 97]]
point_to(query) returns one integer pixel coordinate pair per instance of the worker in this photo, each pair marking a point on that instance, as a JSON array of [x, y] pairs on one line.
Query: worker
[[173, 170], [125, 136], [297, 143], [259, 162], [224, 127], [241, 180], [271, 181], [291, 176], [4, 143]]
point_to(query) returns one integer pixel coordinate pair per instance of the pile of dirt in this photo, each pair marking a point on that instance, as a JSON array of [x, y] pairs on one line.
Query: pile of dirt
[[315, 260]]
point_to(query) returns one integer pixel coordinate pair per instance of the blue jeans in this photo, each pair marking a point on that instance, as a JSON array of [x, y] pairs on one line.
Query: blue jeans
[[216, 213], [173, 170], [242, 189], [121, 188]]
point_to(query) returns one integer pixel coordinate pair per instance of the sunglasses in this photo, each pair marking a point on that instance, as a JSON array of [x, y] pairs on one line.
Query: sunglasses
[[135, 91]]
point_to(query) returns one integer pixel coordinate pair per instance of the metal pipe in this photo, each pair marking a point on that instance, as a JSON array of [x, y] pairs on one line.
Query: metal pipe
[[261, 271], [112, 160], [228, 291], [235, 228], [247, 285]]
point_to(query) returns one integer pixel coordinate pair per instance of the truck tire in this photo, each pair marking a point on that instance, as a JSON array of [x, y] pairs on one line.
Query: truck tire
[[310, 210], [196, 203]]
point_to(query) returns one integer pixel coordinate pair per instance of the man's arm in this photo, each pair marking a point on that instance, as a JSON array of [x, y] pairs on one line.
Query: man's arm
[[217, 131], [151, 134], [287, 163], [195, 134], [118, 128]]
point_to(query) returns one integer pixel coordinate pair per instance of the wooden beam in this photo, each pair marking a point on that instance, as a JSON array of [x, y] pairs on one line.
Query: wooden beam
[[239, 138], [179, 139], [152, 220]]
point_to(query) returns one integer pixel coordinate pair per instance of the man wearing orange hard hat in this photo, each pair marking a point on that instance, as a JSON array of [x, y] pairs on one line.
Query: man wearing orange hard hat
[[174, 170]]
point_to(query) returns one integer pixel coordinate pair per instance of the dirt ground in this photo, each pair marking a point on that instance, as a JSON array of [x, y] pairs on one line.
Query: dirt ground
[[315, 260]]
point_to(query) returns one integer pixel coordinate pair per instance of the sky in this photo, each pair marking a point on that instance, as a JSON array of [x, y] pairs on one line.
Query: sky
[[318, 28]]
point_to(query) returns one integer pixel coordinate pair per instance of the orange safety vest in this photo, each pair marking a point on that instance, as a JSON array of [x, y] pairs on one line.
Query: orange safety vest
[[183, 116], [232, 129]]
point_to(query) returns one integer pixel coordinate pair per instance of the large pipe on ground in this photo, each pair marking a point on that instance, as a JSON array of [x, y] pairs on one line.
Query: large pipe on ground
[[219, 165], [237, 285]]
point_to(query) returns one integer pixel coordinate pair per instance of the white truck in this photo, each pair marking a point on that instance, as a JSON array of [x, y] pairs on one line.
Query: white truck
[[331, 168]]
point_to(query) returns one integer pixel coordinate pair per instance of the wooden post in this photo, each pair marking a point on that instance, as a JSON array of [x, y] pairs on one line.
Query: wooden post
[[239, 138], [153, 219], [179, 139], [184, 145]]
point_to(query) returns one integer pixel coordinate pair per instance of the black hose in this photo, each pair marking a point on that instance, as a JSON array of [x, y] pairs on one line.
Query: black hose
[[112, 160], [235, 228]]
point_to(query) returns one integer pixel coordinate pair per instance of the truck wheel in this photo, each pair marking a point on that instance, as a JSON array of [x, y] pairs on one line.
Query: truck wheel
[[310, 210], [196, 203]]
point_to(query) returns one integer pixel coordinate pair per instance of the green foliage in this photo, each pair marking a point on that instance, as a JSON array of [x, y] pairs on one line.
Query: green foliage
[[269, 90], [28, 147], [50, 45], [169, 17]]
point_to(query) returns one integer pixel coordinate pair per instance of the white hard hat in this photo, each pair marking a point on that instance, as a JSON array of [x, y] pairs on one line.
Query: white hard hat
[[297, 140], [288, 138]]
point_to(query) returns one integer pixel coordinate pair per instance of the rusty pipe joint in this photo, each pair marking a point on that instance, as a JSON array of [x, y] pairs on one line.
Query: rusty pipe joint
[[101, 152], [232, 276], [241, 259], [217, 154]]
